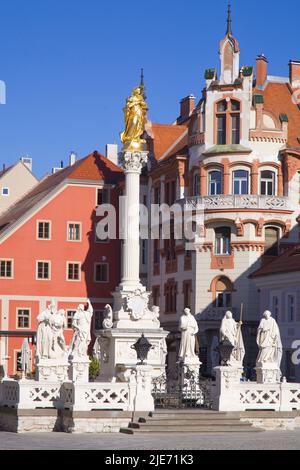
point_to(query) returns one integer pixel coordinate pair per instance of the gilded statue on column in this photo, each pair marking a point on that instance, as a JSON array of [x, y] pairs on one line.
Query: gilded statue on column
[[135, 113]]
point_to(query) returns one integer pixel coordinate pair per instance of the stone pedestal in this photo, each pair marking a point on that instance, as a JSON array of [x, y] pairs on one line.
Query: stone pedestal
[[226, 397], [79, 369], [118, 359], [267, 373], [52, 370], [144, 400]]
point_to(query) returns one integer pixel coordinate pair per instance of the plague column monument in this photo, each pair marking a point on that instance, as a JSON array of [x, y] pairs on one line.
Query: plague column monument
[[131, 314]]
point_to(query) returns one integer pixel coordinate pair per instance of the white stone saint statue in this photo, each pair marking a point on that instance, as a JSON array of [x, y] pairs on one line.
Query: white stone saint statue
[[58, 344], [44, 332], [269, 341], [108, 321], [82, 331], [232, 331], [189, 328]]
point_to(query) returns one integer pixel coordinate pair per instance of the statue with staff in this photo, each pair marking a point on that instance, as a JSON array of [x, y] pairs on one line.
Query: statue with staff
[[135, 114], [231, 332]]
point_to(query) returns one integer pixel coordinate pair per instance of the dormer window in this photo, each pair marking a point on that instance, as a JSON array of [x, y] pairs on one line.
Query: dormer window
[[228, 122]]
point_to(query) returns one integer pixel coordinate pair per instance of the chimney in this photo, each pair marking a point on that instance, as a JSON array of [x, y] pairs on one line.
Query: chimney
[[61, 164], [27, 161], [261, 70], [112, 153], [294, 73], [72, 158], [186, 107], [4, 167]]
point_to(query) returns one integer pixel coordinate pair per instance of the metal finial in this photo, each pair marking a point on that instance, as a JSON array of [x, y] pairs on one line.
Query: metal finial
[[229, 31], [142, 84]]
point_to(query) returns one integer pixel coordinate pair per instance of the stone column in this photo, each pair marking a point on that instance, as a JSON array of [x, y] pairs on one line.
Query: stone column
[[133, 163]]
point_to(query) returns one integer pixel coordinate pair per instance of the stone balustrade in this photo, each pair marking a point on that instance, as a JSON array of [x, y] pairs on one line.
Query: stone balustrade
[[238, 202]]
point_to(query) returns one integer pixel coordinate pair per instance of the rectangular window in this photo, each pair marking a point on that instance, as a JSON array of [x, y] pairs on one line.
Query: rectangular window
[[157, 195], [267, 183], [73, 271], [70, 316], [156, 251], [275, 308], [74, 232], [18, 361], [187, 294], [23, 318], [44, 230], [101, 272], [99, 316], [155, 295], [223, 300], [43, 270], [6, 270], [221, 130], [291, 308], [103, 196], [144, 252], [240, 182], [5, 191], [215, 183], [223, 240], [235, 128]]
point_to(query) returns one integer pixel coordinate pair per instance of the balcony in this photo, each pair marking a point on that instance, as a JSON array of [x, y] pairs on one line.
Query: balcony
[[251, 202]]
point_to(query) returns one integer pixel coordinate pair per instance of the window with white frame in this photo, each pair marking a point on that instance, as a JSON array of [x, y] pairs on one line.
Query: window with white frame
[[222, 241], [73, 271], [267, 183], [23, 318], [43, 270], [215, 183], [43, 230], [70, 316], [74, 231], [291, 308], [99, 316], [275, 307], [6, 268], [103, 196], [5, 192], [18, 361], [101, 272], [240, 182]]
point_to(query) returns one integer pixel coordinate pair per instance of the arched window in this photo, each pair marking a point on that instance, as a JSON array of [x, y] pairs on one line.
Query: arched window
[[215, 183], [223, 239], [196, 184], [240, 182], [228, 122], [222, 292], [271, 241], [267, 183]]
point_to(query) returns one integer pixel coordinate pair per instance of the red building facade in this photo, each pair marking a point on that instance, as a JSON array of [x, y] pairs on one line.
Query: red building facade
[[49, 251]]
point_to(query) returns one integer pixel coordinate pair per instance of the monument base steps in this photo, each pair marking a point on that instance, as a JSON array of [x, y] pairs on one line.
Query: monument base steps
[[206, 421]]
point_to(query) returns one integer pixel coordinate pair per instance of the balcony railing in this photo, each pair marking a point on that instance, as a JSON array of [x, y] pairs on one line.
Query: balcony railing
[[215, 313], [239, 202]]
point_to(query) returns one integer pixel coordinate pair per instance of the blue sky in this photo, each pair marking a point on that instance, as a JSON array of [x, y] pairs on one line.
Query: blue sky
[[69, 64]]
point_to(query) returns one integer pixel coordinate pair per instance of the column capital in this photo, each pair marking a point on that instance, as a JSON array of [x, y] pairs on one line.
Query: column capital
[[133, 162]]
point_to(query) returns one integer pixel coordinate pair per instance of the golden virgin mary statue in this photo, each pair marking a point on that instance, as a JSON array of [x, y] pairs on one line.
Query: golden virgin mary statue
[[135, 113]]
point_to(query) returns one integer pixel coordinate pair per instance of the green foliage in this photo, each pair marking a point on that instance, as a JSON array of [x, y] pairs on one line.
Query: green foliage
[[94, 368]]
